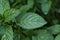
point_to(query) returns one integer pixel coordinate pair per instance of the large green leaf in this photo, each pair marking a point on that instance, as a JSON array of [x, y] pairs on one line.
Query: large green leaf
[[30, 21], [8, 35], [55, 29], [4, 5], [11, 14], [57, 37], [45, 5]]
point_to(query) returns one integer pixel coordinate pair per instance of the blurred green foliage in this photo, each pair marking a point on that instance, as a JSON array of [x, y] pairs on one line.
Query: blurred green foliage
[[29, 19]]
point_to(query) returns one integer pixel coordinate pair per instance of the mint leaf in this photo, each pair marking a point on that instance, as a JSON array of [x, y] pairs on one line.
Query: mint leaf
[[43, 34], [55, 29], [30, 21], [45, 6], [8, 35], [4, 5], [28, 6], [11, 14]]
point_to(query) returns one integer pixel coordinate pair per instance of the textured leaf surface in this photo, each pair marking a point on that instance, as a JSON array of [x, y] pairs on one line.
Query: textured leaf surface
[[29, 5], [30, 21], [44, 35], [57, 37], [55, 29], [11, 14], [45, 6], [4, 5], [8, 35], [2, 30]]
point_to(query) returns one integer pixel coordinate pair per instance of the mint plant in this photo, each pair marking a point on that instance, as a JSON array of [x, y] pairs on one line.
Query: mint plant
[[29, 19]]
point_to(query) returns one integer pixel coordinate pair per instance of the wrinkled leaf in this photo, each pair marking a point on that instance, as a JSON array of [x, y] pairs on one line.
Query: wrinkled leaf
[[25, 8], [30, 21], [55, 29], [11, 14], [4, 5], [8, 35], [44, 35], [2, 30], [45, 6]]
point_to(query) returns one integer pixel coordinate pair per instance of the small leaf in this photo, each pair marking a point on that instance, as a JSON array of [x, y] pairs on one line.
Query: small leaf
[[4, 5], [46, 7], [11, 14], [8, 33], [2, 30], [30, 21], [55, 29], [57, 37], [25, 8]]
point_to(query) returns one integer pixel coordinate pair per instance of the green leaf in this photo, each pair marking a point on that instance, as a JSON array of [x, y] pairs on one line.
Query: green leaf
[[2, 30], [4, 5], [1, 19], [43, 35], [45, 6], [30, 21], [25, 8], [55, 29], [57, 37], [11, 14], [8, 35], [16, 35], [34, 38]]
